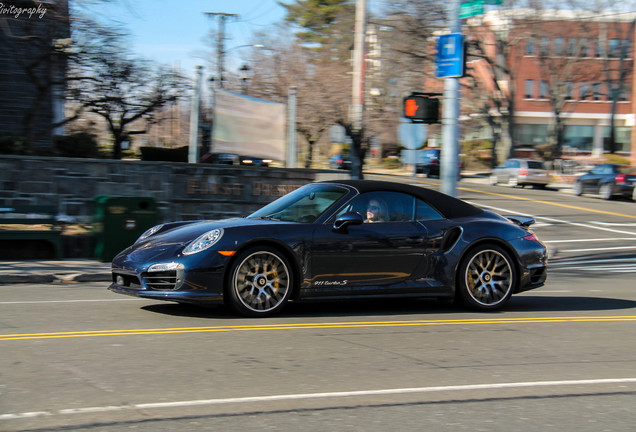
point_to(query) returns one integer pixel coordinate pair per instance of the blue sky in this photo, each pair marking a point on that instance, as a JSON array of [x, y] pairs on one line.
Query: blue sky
[[169, 31]]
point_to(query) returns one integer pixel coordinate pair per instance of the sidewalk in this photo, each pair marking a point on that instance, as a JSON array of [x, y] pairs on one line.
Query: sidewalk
[[54, 271]]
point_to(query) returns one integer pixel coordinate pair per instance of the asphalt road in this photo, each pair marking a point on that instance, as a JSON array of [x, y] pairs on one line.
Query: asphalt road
[[77, 357]]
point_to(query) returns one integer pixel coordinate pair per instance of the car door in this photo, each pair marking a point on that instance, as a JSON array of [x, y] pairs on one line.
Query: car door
[[373, 256], [593, 179]]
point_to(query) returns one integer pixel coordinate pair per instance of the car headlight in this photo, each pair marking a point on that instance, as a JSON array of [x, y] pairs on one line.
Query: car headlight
[[203, 242], [149, 232]]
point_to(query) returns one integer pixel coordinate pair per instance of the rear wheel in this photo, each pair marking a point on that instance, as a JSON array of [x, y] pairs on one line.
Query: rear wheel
[[260, 282], [605, 191], [486, 278]]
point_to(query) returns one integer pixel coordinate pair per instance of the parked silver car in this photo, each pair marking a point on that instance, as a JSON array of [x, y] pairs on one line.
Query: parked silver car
[[521, 172]]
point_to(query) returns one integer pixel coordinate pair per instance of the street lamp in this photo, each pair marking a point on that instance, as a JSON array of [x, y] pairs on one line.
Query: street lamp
[[244, 76]]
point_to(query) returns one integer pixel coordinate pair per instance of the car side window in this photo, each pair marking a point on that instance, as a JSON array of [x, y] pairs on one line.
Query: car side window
[[424, 212], [382, 207]]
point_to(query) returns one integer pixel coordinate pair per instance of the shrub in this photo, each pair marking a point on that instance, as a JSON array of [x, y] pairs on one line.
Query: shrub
[[79, 145]]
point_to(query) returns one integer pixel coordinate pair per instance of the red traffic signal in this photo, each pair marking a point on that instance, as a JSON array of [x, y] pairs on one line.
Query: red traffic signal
[[420, 108]]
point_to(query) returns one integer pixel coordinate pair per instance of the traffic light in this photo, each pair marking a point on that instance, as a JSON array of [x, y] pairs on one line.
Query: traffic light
[[421, 108]]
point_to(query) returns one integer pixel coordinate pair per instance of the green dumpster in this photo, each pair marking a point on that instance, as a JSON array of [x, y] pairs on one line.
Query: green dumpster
[[119, 220]]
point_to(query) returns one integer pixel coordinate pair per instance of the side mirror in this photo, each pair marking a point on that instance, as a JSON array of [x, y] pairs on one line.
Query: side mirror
[[346, 219]]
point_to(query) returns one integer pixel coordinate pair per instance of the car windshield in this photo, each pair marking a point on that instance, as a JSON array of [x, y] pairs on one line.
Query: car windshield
[[304, 205], [536, 165]]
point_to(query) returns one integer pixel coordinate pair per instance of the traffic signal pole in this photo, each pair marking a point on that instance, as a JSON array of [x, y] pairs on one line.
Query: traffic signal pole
[[449, 168]]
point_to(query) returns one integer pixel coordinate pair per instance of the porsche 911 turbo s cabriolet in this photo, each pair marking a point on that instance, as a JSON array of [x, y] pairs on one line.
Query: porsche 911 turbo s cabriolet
[[337, 240]]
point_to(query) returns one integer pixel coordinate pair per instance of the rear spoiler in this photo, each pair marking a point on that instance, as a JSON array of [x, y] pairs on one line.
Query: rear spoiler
[[522, 221]]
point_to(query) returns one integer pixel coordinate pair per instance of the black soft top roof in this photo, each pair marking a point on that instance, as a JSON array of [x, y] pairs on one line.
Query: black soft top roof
[[450, 207]]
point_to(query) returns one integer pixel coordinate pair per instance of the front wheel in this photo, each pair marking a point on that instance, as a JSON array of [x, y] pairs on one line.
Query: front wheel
[[486, 278], [260, 282], [578, 188]]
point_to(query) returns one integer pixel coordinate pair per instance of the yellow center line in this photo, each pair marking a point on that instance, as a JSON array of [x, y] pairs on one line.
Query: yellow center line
[[306, 326]]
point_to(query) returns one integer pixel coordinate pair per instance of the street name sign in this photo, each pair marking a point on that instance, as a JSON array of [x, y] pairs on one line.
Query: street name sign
[[450, 56]]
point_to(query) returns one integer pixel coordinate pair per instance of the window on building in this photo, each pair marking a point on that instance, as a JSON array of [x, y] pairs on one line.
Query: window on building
[[583, 90], [543, 89], [599, 48], [530, 46], [614, 48], [584, 46], [559, 45], [578, 137], [569, 86], [622, 137], [598, 92], [545, 46], [532, 134], [529, 89], [572, 42], [625, 45]]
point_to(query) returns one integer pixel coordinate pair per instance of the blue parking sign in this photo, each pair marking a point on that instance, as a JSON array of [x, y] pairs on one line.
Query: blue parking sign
[[450, 56]]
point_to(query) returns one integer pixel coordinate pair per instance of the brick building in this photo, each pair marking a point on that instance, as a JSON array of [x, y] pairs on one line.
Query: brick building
[[569, 69], [33, 38]]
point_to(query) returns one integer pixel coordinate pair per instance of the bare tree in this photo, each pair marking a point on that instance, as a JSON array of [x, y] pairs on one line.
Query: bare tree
[[108, 81], [322, 88]]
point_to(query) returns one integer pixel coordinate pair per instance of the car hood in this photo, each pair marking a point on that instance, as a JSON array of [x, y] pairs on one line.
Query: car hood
[[185, 233], [173, 237]]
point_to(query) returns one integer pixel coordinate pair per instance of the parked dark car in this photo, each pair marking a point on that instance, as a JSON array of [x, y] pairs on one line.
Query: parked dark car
[[254, 161], [338, 240], [521, 172], [220, 158], [608, 181], [340, 161], [427, 162]]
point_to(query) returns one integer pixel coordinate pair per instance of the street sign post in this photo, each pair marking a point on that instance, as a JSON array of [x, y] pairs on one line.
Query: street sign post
[[450, 60]]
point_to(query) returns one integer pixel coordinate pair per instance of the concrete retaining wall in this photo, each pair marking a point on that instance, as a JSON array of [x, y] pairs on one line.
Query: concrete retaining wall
[[182, 191]]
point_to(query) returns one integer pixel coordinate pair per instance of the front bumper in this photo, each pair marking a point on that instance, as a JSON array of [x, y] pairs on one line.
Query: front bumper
[[194, 279]]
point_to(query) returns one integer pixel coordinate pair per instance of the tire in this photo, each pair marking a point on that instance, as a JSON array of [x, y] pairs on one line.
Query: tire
[[486, 279], [605, 191], [578, 188], [260, 282]]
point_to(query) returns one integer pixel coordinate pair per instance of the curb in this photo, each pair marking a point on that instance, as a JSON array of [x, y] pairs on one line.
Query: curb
[[54, 278]]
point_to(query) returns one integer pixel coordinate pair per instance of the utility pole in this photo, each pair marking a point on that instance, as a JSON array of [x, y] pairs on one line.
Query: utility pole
[[357, 94], [193, 150], [291, 129], [449, 168], [220, 42]]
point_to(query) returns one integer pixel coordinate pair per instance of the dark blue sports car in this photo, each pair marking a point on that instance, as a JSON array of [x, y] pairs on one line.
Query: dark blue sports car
[[336, 240]]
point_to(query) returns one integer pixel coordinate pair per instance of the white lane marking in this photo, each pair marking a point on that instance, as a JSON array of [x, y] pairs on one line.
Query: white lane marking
[[588, 240], [600, 228], [556, 291], [615, 269], [67, 301], [306, 396], [594, 261], [614, 224], [598, 249]]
